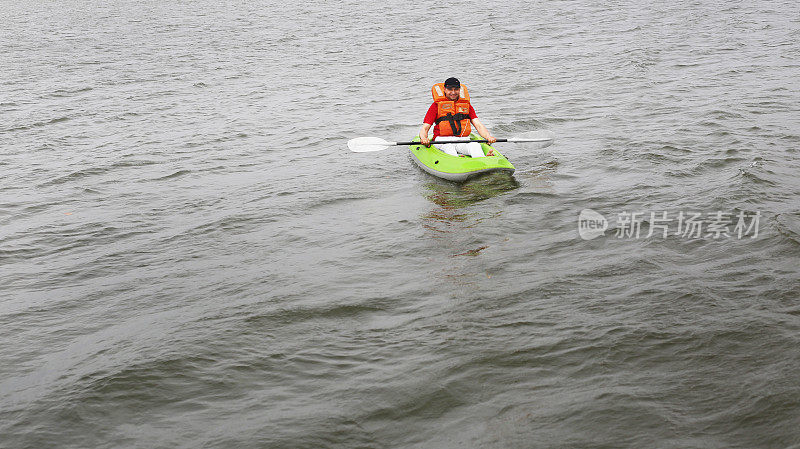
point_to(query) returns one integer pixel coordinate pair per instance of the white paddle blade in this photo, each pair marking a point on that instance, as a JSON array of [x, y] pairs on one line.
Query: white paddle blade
[[543, 138], [365, 144]]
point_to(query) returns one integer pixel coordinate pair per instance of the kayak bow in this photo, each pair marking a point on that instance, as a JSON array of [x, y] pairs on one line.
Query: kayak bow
[[455, 168]]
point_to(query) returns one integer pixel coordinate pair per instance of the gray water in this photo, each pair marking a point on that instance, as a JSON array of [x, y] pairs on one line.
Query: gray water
[[191, 257]]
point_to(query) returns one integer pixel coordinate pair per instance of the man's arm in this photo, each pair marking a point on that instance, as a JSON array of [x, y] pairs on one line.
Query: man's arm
[[476, 122], [423, 134], [430, 117]]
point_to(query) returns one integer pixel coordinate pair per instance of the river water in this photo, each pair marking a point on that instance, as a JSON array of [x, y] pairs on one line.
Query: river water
[[191, 257]]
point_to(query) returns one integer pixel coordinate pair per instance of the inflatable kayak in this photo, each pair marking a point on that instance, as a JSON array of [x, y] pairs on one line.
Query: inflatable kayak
[[454, 168]]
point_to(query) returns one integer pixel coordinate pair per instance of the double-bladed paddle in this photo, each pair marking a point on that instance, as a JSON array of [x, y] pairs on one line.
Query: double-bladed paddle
[[366, 144]]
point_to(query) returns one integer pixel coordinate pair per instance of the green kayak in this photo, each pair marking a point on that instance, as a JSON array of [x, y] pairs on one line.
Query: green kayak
[[454, 168]]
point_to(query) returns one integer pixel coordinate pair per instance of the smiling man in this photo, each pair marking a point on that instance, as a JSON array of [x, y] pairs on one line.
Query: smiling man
[[451, 115]]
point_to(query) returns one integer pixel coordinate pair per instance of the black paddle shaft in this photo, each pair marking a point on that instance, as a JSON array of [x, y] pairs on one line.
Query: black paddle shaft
[[457, 141]]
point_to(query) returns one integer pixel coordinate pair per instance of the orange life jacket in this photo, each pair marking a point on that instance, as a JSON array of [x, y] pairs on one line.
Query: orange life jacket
[[452, 117]]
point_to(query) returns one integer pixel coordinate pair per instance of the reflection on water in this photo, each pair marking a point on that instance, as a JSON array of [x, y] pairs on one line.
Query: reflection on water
[[456, 227], [456, 196], [472, 252], [452, 199], [538, 178], [456, 223]]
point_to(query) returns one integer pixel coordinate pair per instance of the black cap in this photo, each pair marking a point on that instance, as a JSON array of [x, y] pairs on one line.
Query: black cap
[[452, 82]]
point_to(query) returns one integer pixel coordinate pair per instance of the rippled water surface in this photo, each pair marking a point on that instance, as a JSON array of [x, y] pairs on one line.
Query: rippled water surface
[[191, 257]]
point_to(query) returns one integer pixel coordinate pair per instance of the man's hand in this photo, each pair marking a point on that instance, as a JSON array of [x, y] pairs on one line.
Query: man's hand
[[490, 140], [423, 134]]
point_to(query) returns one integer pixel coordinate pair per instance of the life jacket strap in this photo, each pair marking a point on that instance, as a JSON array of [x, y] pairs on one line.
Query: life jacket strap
[[454, 120]]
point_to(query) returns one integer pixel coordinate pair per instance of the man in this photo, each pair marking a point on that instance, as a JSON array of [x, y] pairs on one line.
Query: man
[[451, 115]]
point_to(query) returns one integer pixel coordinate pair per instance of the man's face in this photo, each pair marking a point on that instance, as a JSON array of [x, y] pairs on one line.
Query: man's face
[[452, 92]]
